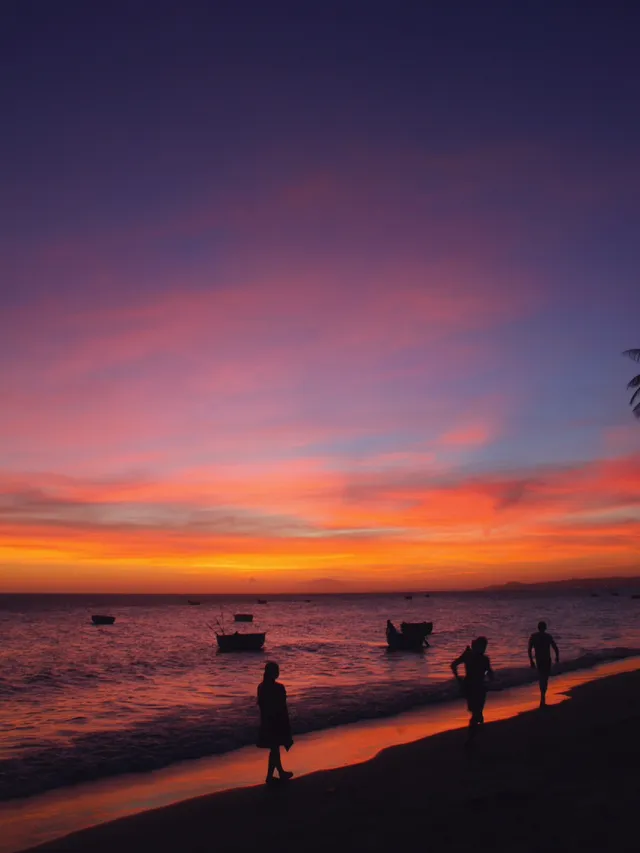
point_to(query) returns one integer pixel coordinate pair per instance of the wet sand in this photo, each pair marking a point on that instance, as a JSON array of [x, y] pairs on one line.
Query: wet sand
[[562, 778]]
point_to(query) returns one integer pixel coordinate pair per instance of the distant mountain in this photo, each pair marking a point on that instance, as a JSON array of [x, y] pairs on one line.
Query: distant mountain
[[589, 584]]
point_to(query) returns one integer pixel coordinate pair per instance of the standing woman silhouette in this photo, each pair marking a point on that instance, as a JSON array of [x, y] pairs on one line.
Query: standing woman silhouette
[[275, 728]]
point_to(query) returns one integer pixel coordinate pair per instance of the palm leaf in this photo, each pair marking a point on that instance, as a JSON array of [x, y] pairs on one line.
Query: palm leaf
[[632, 353], [636, 410], [634, 382], [633, 397]]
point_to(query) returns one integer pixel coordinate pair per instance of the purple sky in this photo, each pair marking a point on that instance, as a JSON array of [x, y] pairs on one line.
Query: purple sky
[[276, 277]]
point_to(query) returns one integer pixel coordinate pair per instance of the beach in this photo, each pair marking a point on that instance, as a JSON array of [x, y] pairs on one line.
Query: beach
[[563, 777]]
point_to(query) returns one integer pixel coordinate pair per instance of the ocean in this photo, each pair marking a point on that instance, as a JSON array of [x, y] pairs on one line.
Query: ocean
[[81, 702]]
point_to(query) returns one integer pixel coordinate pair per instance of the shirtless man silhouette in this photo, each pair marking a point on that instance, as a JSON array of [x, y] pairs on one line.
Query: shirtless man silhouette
[[541, 644]]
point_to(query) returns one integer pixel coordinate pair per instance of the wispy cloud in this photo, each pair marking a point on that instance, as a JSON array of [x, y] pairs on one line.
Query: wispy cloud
[[335, 368]]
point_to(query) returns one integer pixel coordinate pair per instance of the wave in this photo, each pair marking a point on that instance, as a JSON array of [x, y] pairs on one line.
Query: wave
[[188, 733]]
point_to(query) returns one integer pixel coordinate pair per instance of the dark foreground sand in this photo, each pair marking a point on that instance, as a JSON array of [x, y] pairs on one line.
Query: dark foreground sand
[[567, 778]]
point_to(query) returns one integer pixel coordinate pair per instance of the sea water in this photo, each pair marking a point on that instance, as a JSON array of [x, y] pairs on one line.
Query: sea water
[[81, 702]]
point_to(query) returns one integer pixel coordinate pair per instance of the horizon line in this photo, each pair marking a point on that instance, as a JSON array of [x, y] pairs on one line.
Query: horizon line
[[605, 581]]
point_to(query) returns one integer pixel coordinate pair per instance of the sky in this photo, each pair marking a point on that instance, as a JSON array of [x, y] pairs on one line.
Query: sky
[[321, 296]]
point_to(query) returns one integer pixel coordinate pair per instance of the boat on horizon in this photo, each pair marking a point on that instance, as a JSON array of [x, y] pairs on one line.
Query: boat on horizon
[[262, 601], [243, 617], [193, 603], [99, 619], [238, 642]]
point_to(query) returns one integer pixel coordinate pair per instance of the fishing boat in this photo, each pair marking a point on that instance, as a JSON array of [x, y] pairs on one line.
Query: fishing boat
[[193, 603], [237, 642], [262, 601], [98, 619], [243, 617], [411, 636], [408, 597]]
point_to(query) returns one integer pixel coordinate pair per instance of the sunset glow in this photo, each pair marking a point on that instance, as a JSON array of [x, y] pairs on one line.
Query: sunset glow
[[252, 343]]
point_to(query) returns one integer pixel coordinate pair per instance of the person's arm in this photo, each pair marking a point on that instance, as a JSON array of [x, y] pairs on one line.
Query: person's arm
[[454, 666], [530, 650], [555, 649], [489, 670]]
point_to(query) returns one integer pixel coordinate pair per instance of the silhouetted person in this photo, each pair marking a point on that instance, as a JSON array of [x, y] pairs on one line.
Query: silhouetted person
[[477, 666], [275, 728], [541, 644]]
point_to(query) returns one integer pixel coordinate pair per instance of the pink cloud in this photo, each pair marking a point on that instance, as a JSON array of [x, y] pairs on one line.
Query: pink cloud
[[473, 435]]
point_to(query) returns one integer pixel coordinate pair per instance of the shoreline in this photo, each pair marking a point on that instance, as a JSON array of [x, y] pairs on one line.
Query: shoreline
[[552, 780], [56, 814], [209, 730]]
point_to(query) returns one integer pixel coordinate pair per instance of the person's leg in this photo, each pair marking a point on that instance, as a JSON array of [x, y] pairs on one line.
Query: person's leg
[[277, 759], [475, 708], [284, 774], [470, 708], [482, 698], [274, 761], [543, 675]]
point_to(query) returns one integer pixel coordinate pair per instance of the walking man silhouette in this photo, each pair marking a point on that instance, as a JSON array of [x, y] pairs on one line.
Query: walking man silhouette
[[541, 644]]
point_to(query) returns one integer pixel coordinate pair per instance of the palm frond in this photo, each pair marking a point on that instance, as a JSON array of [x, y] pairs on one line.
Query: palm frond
[[634, 382], [636, 410], [632, 353], [633, 397]]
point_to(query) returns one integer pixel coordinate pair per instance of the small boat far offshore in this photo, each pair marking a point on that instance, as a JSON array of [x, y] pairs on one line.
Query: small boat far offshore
[[240, 642], [243, 617], [98, 619], [262, 601], [193, 603]]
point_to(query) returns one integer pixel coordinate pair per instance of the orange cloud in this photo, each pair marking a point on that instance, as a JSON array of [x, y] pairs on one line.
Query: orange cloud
[[289, 526]]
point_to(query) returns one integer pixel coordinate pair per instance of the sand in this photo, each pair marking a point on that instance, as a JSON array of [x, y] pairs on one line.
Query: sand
[[565, 778]]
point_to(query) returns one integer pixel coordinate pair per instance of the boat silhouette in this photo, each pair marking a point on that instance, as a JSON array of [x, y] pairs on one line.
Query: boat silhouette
[[412, 636], [99, 619], [238, 642], [243, 617]]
